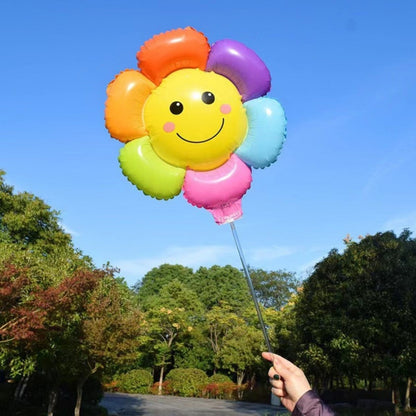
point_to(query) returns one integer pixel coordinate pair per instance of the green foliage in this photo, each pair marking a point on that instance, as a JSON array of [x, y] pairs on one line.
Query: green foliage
[[153, 281], [216, 285], [135, 381], [219, 378], [353, 320], [176, 294], [60, 317], [195, 350], [273, 288], [286, 331], [356, 314], [241, 351], [187, 382], [170, 317]]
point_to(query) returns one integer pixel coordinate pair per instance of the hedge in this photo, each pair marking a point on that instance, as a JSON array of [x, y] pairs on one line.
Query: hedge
[[187, 382], [135, 381]]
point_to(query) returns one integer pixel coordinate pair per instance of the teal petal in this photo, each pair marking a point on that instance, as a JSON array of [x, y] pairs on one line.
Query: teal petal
[[266, 132]]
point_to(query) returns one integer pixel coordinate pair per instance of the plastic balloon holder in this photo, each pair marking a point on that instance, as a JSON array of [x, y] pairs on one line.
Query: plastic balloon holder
[[194, 119]]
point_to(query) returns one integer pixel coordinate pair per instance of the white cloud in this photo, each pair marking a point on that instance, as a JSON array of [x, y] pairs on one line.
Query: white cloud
[[388, 166], [306, 269], [270, 253], [399, 223], [198, 256], [190, 256], [69, 230]]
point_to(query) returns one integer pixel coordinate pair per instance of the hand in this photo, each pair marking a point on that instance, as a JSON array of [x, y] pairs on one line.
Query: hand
[[292, 384]]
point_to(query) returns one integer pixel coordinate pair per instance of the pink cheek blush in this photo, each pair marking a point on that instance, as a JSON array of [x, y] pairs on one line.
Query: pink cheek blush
[[225, 108], [169, 127]]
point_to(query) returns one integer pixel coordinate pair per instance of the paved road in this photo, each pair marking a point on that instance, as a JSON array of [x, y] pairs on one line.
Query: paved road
[[121, 404]]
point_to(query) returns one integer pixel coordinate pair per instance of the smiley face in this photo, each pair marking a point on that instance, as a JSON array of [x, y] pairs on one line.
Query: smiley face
[[195, 119]]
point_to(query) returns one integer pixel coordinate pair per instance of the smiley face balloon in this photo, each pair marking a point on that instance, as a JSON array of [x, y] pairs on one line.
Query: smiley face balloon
[[194, 118]]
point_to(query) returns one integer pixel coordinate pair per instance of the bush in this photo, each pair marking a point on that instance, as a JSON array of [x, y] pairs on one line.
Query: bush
[[219, 378], [187, 382], [224, 390], [166, 388], [220, 387], [111, 386], [135, 381]]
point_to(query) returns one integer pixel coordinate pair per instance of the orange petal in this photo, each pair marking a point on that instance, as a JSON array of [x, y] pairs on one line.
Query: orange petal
[[173, 50], [127, 94]]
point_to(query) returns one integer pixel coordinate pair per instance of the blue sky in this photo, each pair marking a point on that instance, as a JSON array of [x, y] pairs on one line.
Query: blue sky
[[344, 71]]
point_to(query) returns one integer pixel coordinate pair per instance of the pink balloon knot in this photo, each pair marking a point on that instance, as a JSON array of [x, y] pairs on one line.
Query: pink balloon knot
[[227, 212]]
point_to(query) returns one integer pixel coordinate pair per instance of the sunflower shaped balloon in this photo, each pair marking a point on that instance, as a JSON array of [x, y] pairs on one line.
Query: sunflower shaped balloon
[[194, 118]]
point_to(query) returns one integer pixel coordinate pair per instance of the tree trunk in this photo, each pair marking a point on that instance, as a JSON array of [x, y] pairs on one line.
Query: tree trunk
[[53, 398], [407, 398], [396, 400], [21, 387], [80, 387], [253, 381], [240, 378], [162, 370]]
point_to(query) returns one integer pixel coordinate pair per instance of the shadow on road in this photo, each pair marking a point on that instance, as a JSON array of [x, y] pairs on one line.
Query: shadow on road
[[122, 404]]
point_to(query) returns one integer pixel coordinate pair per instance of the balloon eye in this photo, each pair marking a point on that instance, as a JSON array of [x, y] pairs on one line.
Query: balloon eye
[[208, 97], [176, 107]]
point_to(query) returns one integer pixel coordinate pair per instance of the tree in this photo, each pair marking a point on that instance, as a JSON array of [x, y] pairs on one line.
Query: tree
[[241, 351], [235, 340], [45, 325], [217, 284], [221, 320], [31, 238], [110, 333], [26, 220], [286, 330], [273, 288], [74, 329], [357, 309], [59, 315], [170, 317], [153, 281]]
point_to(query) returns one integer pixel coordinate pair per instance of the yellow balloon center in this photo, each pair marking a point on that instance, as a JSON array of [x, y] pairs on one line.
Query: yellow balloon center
[[195, 119]]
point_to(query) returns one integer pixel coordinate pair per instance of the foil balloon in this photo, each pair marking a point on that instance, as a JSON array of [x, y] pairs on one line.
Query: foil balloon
[[194, 118]]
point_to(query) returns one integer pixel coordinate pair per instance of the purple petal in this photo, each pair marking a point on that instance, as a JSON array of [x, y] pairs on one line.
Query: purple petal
[[240, 65]]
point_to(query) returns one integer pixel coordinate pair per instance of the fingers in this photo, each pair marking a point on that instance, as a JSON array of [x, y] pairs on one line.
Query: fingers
[[277, 384], [280, 364], [278, 388], [273, 374], [279, 392]]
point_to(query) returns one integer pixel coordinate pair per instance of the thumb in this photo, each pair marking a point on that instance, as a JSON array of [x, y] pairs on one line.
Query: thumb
[[267, 356]]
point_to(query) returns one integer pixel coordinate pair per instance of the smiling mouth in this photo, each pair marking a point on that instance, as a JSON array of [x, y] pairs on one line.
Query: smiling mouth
[[202, 141]]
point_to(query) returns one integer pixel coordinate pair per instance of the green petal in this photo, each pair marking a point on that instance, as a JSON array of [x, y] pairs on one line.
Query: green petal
[[148, 172]]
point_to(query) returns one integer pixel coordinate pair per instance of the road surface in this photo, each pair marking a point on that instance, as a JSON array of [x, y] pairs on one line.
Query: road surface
[[122, 404]]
